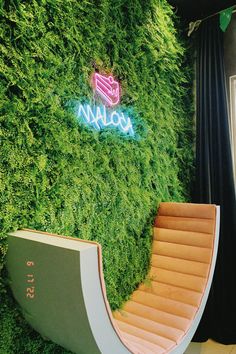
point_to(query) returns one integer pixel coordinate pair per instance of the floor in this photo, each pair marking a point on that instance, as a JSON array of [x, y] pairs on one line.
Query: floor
[[210, 347]]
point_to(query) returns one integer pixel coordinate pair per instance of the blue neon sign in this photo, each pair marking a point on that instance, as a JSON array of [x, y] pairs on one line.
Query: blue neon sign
[[101, 117]]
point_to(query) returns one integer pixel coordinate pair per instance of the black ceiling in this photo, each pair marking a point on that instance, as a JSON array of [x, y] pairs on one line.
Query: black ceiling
[[198, 9]]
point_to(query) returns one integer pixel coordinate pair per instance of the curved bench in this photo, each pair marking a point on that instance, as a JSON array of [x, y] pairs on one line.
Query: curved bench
[[58, 282]]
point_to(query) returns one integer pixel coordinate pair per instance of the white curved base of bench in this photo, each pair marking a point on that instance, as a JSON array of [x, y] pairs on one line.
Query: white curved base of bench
[[65, 301]]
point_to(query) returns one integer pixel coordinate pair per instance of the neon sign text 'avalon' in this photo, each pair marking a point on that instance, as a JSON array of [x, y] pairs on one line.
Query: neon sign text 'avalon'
[[99, 117]]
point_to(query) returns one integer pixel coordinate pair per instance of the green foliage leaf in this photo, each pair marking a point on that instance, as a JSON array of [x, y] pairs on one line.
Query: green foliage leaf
[[58, 176]]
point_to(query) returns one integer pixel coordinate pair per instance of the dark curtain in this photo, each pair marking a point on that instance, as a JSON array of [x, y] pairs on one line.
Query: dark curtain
[[214, 181]]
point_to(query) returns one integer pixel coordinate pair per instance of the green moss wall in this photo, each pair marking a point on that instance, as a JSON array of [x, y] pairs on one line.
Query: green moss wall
[[59, 176]]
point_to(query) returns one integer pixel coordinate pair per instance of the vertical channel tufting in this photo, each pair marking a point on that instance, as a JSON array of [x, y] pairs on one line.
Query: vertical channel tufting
[[160, 312]]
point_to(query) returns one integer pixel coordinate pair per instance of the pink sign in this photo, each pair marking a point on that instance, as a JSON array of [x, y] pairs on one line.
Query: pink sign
[[107, 88]]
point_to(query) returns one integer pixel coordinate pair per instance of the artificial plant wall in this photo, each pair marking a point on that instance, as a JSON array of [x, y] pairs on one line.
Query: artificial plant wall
[[60, 176]]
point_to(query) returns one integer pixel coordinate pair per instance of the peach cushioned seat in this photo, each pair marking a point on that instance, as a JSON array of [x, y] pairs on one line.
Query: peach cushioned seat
[[161, 313], [58, 281]]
